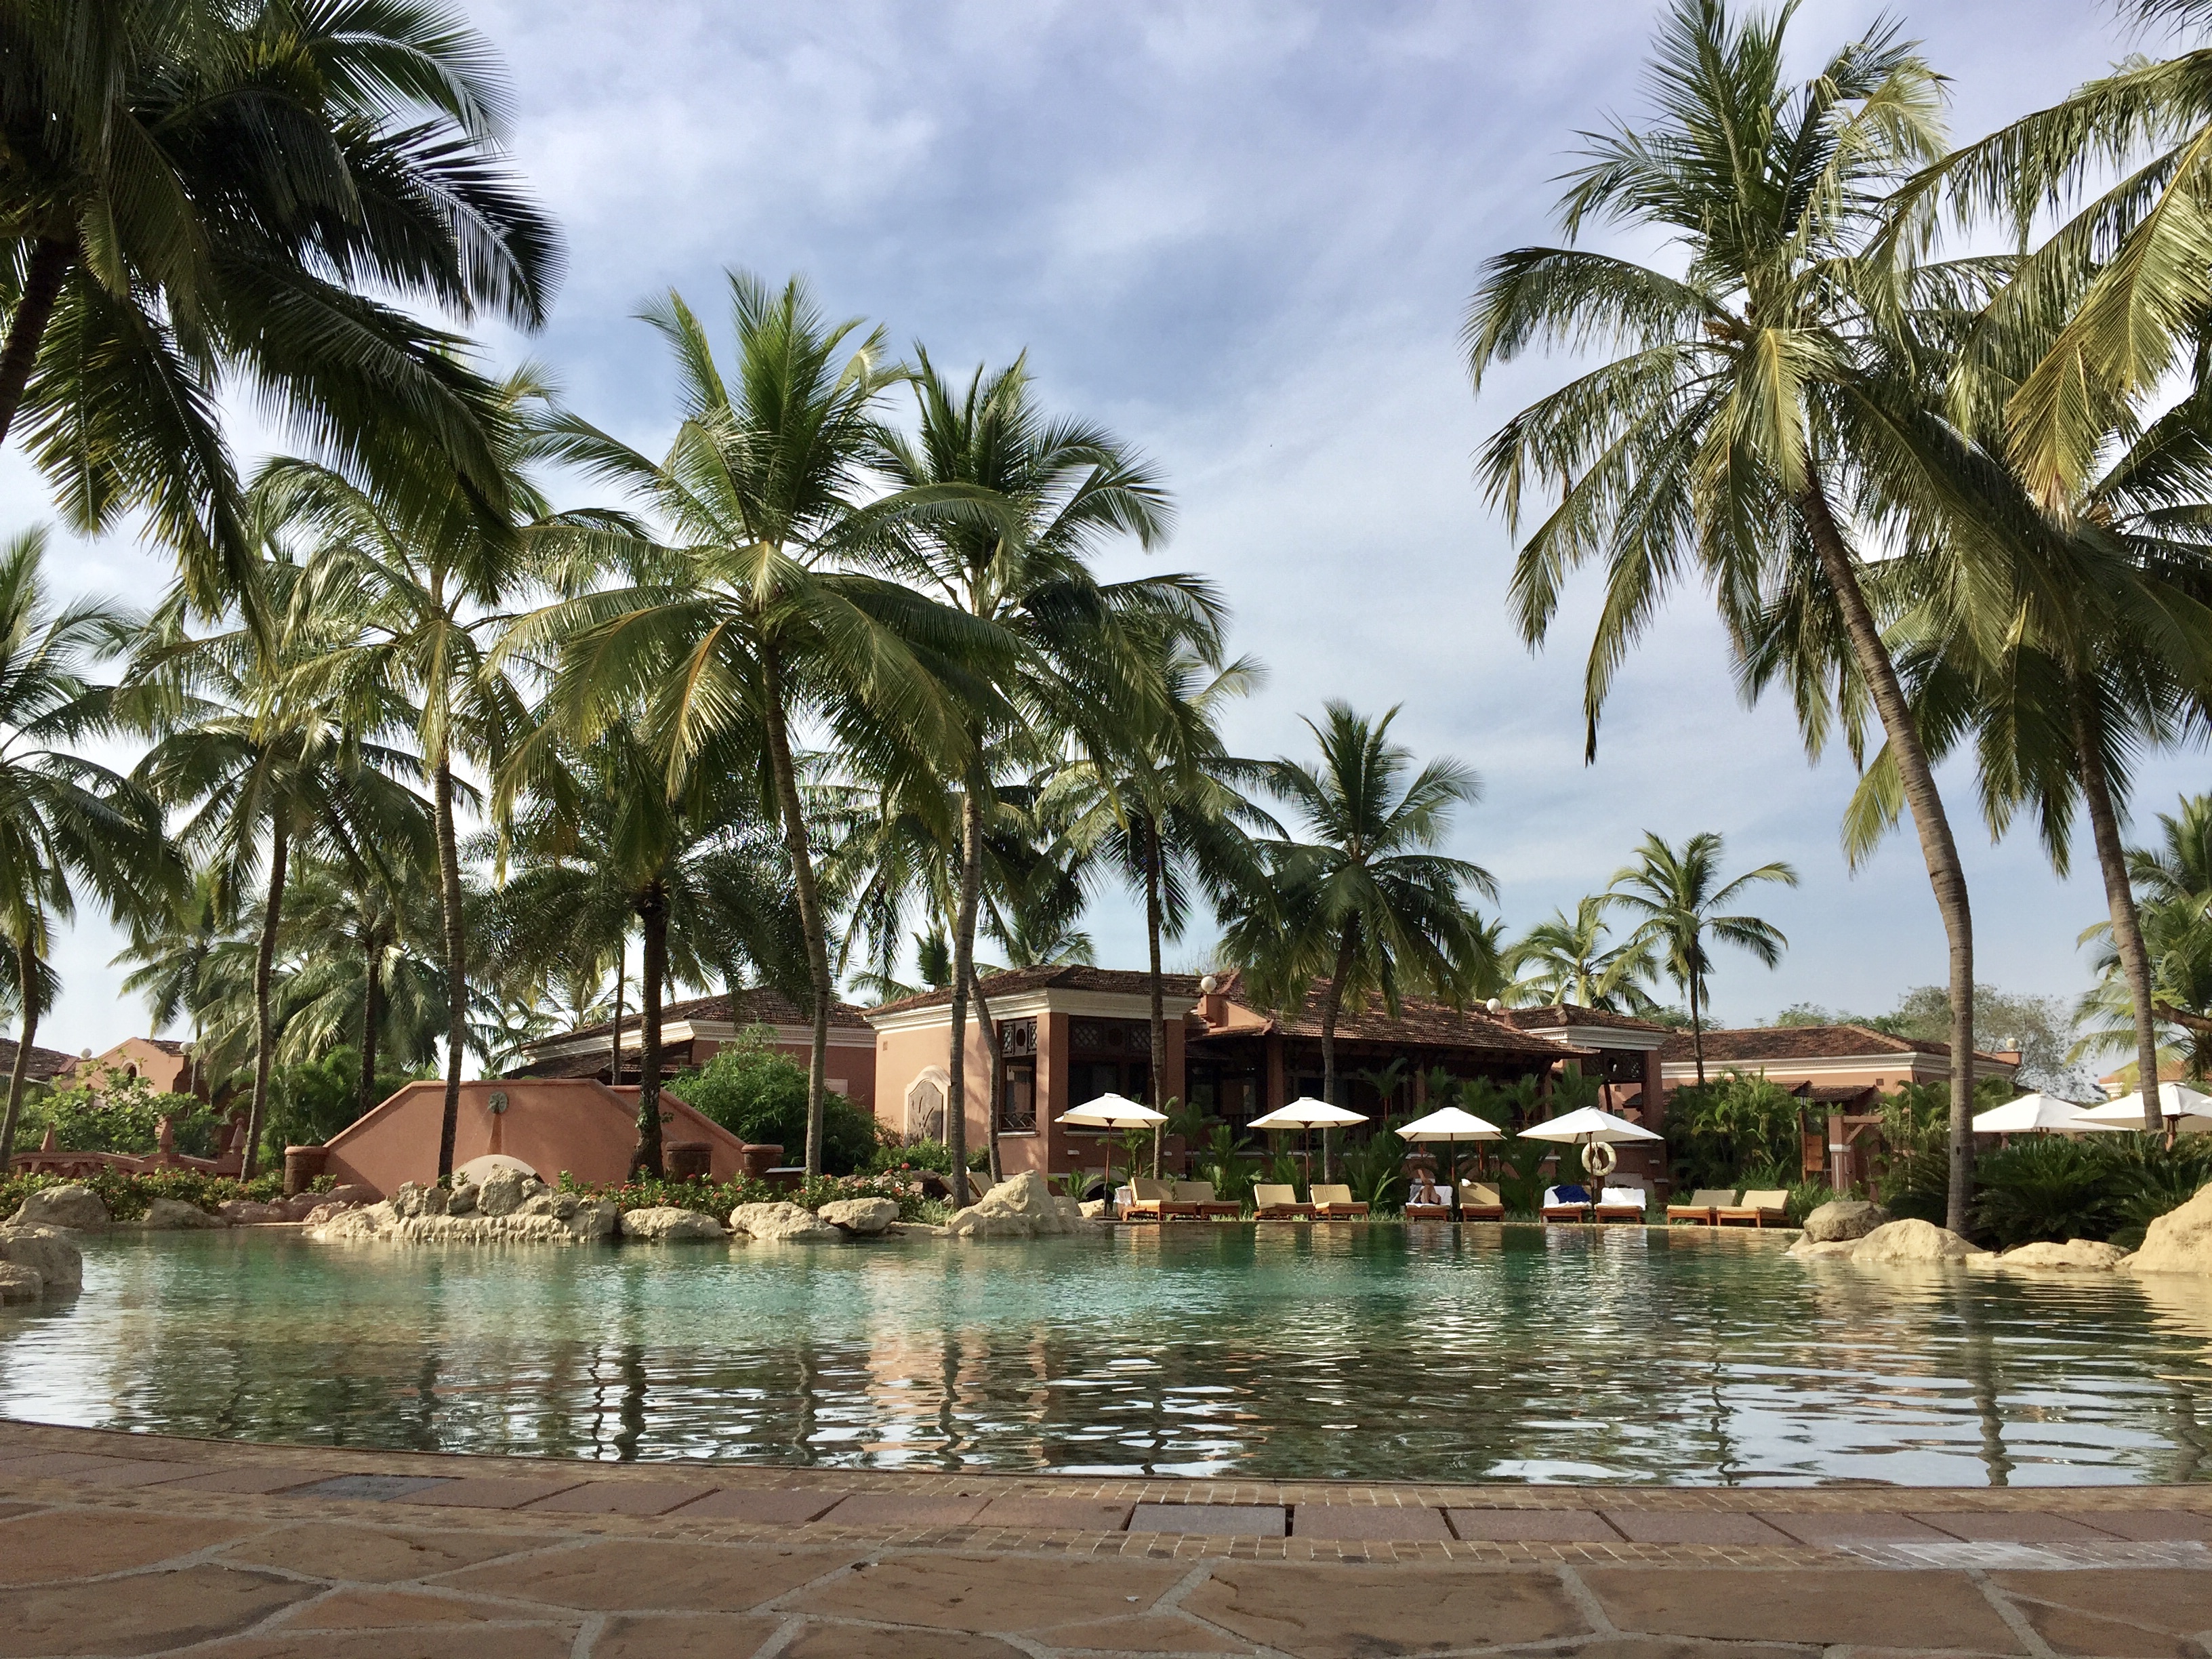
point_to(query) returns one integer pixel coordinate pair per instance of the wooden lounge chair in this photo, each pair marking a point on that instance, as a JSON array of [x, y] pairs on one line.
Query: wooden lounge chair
[[1336, 1203], [1558, 1208], [1195, 1199], [1437, 1211], [1769, 1208], [1703, 1204], [1149, 1199], [1477, 1202], [1274, 1203], [1621, 1206]]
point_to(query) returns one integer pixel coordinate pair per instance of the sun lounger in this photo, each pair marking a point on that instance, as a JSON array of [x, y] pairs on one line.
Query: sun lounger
[[1149, 1199], [1621, 1206], [1565, 1204], [1479, 1203], [1195, 1199], [1440, 1211], [1760, 1209], [1274, 1203], [1336, 1203], [1704, 1202]]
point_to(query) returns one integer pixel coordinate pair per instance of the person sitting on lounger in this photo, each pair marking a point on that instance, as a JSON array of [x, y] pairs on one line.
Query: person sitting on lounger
[[1424, 1190]]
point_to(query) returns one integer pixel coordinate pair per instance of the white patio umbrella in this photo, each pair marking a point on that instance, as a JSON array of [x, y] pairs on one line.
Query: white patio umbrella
[[1590, 1127], [1452, 1126], [1112, 1112], [1309, 1114], [2186, 1111], [2032, 1115]]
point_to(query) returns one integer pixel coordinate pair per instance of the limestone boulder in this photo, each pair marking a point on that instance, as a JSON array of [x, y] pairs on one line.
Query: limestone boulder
[[75, 1206], [413, 1199], [1897, 1241], [49, 1252], [506, 1191], [665, 1224], [1092, 1209], [19, 1284], [865, 1216], [780, 1222], [323, 1214], [173, 1215], [587, 1221], [1809, 1246], [462, 1200], [1843, 1218], [1022, 1206], [2076, 1254], [245, 1212], [913, 1229], [2178, 1242]]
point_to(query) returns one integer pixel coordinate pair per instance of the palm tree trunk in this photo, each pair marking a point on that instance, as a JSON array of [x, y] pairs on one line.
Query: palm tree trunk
[[653, 914], [2119, 896], [372, 1015], [42, 286], [1697, 1031], [614, 1044], [1153, 924], [963, 972], [784, 777], [998, 1070], [265, 964], [456, 986], [1938, 849], [1331, 1007], [27, 975]]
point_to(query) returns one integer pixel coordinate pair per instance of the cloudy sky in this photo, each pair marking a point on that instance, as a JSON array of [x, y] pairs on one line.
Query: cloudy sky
[[1243, 236]]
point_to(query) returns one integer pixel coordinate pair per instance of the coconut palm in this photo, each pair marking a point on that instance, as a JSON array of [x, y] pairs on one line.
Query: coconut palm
[[1565, 960], [1771, 415], [1679, 891], [200, 193], [169, 952], [2174, 878], [1366, 900], [66, 823]]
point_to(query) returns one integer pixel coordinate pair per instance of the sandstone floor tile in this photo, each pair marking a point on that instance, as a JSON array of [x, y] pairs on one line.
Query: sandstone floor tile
[[1838, 1528], [255, 1482], [1151, 1633], [1693, 1526], [387, 1609], [1383, 1523], [53, 1466], [900, 1508], [620, 1497], [2174, 1600], [371, 1554], [641, 1576], [83, 1544], [991, 1592], [772, 1508], [1674, 1647], [1532, 1526], [371, 1488], [158, 1611], [138, 1471], [1056, 1514], [554, 1641], [2078, 1633], [697, 1636], [1317, 1610], [478, 1492], [2018, 1527], [1212, 1520], [849, 1642], [1826, 1605], [9, 1511], [2153, 1525]]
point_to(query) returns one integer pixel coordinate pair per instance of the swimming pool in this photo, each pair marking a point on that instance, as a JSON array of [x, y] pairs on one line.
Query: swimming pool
[[1495, 1353]]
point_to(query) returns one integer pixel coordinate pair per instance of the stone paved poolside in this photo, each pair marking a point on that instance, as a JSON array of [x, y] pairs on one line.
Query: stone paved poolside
[[117, 1544]]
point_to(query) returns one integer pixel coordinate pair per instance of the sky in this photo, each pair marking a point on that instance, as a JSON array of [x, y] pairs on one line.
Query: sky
[[1242, 236]]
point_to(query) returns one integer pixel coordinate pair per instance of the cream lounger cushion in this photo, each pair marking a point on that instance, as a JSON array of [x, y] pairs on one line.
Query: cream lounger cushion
[[1775, 1200], [1266, 1197], [1711, 1198], [1475, 1193], [1323, 1194]]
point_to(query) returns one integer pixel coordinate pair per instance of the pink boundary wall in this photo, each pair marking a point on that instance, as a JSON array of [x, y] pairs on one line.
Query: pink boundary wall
[[552, 1124]]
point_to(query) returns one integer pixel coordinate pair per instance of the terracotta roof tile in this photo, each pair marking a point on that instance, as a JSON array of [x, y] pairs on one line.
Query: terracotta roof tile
[[1071, 976], [1569, 1014], [1772, 1043], [1422, 1024], [757, 1007], [44, 1065]]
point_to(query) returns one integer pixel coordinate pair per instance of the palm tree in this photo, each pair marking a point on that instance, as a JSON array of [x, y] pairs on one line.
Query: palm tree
[[753, 616], [1678, 892], [171, 951], [1366, 900], [1565, 960], [65, 822], [1770, 415], [200, 192], [2174, 878]]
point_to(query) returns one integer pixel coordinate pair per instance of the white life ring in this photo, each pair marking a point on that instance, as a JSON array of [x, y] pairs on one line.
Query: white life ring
[[1599, 1159]]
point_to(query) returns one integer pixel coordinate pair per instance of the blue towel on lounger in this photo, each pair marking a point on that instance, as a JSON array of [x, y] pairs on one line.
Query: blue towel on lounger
[[1571, 1195]]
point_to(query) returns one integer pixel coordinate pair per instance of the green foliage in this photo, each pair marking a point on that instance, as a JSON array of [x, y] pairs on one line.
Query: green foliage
[[129, 1196], [1221, 1160], [125, 1118], [1283, 1168], [1734, 1123], [2046, 1187], [311, 1101], [1376, 1171], [892, 1154], [1521, 1175], [760, 1097]]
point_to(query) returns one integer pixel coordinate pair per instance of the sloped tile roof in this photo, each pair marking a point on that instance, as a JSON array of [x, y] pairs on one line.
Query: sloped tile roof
[[1784, 1043], [758, 1006], [1570, 1013], [1422, 1025], [1071, 976]]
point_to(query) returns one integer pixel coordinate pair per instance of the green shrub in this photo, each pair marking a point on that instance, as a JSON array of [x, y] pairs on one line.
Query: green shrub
[[1376, 1171], [129, 1196], [313, 1101], [1717, 1134], [760, 1097], [126, 1118], [2149, 1179], [1221, 1160], [1520, 1181], [892, 1154], [2046, 1187]]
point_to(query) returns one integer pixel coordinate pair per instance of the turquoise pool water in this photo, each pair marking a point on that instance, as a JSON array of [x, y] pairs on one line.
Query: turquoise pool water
[[1506, 1354]]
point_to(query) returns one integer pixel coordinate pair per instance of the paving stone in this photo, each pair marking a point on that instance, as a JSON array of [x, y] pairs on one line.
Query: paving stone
[[2175, 1601], [900, 1508], [124, 1472], [1153, 1632], [620, 1497], [9, 1511], [55, 1466], [371, 1554], [1532, 1526], [82, 1544], [254, 1482], [849, 1642], [990, 1592], [1693, 1526], [1834, 1528], [160, 1610], [1318, 1610], [1212, 1520], [2153, 1525], [1385, 1523], [489, 1493], [695, 1636], [1038, 1512], [2016, 1527], [2070, 1632], [551, 1641], [1674, 1647], [371, 1488], [1870, 1607], [772, 1508], [385, 1609], [640, 1575]]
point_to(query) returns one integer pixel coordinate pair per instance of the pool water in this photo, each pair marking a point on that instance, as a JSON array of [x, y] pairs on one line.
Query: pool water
[[1387, 1352]]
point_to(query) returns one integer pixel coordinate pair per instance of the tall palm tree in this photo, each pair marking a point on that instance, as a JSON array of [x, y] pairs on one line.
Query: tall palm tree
[[1678, 892], [1366, 899], [1565, 960], [169, 952], [65, 822], [755, 615], [2174, 876], [199, 191], [1769, 417]]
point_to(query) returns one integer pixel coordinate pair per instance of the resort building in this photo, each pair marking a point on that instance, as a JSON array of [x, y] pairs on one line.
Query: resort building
[[693, 1031], [165, 1063], [46, 1065], [1833, 1065], [1624, 1054]]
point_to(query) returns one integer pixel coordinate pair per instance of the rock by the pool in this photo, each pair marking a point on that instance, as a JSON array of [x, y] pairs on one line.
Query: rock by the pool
[[1913, 1241], [865, 1216], [506, 1191], [416, 1215], [19, 1284], [666, 1224], [328, 1211], [2076, 1254], [1843, 1218], [1021, 1206], [49, 1252], [75, 1206], [2178, 1242], [779, 1221], [174, 1215], [913, 1229], [1808, 1245], [245, 1212]]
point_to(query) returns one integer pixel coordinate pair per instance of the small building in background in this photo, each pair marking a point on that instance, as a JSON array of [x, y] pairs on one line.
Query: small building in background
[[167, 1065], [1830, 1062], [46, 1065]]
